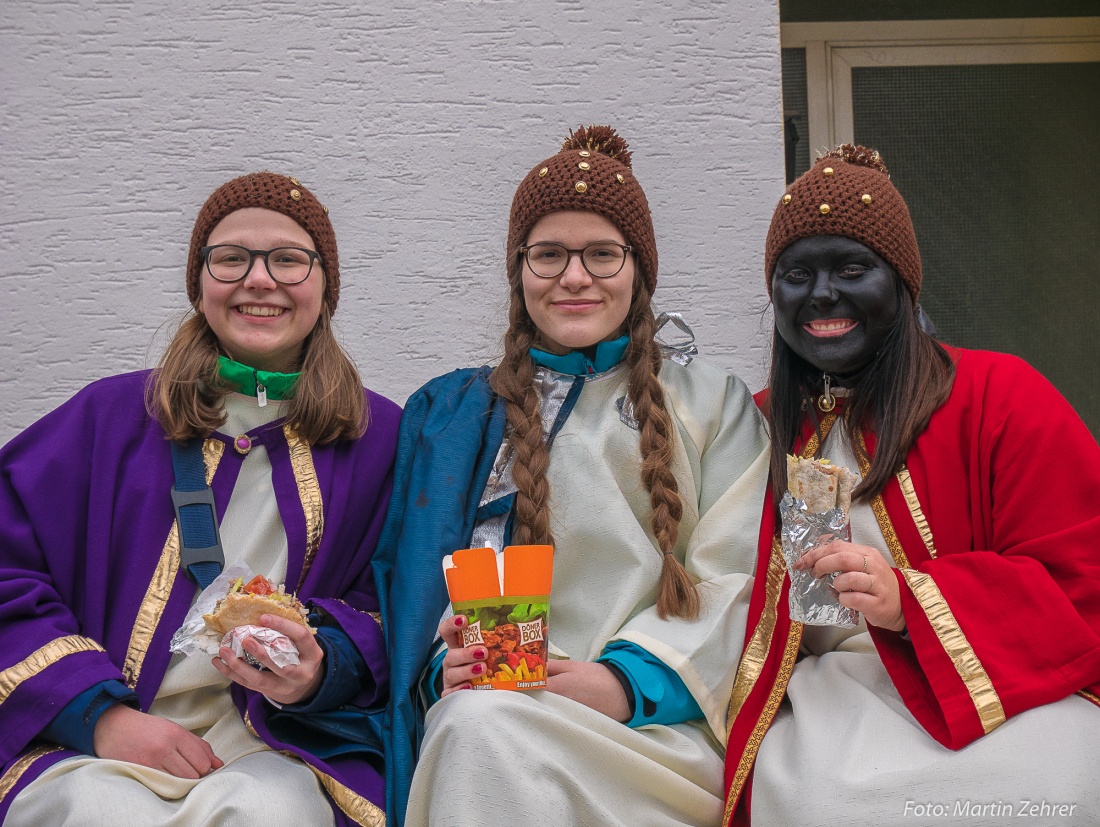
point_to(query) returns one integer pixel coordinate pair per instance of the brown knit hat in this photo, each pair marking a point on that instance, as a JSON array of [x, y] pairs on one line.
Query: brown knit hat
[[848, 193], [272, 192], [591, 173]]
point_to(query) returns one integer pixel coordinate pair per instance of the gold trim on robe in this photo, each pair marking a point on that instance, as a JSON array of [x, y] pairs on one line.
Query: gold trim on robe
[[1088, 696], [309, 491], [756, 653], [16, 770], [814, 443], [910, 494], [41, 658], [779, 690], [354, 806], [982, 692], [160, 587], [752, 660], [893, 544]]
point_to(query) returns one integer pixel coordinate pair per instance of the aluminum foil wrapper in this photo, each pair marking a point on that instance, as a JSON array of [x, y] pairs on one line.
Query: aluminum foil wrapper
[[813, 600], [193, 638], [277, 646]]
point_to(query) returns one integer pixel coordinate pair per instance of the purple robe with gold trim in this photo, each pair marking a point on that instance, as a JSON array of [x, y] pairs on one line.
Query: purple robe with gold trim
[[90, 586]]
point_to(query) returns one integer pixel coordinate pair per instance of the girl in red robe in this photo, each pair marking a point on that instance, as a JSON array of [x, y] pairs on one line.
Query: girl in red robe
[[968, 691]]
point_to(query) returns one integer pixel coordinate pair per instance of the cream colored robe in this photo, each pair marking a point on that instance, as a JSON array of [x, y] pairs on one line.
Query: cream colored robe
[[496, 758]]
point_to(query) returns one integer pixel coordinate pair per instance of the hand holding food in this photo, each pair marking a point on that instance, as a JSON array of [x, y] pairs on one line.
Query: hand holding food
[[866, 582], [502, 609], [282, 684], [461, 664], [814, 512]]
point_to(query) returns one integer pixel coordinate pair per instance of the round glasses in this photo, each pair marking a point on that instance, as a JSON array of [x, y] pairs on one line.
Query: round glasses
[[549, 259], [286, 265]]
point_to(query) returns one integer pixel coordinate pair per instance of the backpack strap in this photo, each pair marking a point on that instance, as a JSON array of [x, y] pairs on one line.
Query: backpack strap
[[201, 553]]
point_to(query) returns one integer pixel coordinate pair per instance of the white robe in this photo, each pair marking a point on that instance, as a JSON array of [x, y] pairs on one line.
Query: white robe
[[496, 758]]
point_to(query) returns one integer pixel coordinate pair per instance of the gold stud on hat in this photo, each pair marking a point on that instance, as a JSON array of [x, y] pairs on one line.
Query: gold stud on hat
[[584, 166], [866, 198], [325, 209], [543, 171], [584, 153], [581, 186], [787, 198], [295, 194], [619, 178], [825, 209], [827, 171], [295, 181]]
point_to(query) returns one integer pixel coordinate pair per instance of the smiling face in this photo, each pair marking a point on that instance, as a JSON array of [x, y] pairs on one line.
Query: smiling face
[[577, 310], [835, 302], [258, 321]]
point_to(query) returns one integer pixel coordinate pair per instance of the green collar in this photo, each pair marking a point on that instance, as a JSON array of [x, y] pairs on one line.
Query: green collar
[[576, 363], [247, 380]]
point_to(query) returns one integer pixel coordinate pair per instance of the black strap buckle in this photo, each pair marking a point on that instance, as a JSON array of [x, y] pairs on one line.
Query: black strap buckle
[[190, 555]]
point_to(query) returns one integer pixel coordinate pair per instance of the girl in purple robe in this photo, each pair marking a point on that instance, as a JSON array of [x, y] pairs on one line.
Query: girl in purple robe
[[99, 722]]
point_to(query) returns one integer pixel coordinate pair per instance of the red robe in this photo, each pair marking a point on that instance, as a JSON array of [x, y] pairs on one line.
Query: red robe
[[994, 524]]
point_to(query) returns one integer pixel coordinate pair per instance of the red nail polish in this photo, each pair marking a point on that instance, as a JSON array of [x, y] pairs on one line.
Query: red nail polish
[[480, 654], [459, 620], [479, 668]]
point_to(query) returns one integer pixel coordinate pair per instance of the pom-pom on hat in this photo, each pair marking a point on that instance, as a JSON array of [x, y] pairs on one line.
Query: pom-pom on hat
[[592, 173], [272, 192], [848, 193]]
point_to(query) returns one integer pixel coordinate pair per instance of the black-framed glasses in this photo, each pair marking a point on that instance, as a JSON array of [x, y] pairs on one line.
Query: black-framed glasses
[[548, 259], [286, 265]]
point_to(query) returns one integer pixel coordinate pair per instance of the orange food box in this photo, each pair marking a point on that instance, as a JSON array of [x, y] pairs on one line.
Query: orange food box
[[506, 598]]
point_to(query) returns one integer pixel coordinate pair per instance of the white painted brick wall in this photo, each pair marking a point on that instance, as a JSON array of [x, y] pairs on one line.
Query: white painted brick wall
[[413, 121]]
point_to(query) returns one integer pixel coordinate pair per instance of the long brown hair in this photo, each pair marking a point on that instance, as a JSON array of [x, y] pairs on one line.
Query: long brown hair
[[185, 394], [893, 397], [513, 380]]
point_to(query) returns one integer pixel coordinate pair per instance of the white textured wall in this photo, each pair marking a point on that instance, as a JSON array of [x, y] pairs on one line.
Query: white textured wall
[[413, 121]]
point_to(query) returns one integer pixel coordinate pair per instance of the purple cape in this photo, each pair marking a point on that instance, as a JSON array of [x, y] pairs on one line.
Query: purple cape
[[89, 583]]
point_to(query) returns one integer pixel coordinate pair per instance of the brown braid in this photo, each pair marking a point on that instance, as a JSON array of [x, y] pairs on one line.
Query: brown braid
[[513, 380], [678, 596]]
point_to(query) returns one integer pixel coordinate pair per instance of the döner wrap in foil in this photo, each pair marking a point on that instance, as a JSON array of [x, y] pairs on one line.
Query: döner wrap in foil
[[814, 512]]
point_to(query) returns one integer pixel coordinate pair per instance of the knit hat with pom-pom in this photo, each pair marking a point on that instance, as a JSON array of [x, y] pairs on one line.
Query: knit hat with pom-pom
[[848, 193], [272, 192], [591, 173]]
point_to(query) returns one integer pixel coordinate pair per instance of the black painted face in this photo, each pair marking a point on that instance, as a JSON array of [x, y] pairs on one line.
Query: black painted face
[[835, 302]]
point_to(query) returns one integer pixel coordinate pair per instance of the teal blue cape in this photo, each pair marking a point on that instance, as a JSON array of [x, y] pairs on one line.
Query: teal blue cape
[[451, 430]]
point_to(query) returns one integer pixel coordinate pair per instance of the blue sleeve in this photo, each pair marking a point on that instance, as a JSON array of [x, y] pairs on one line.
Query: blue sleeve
[[660, 696], [431, 683], [74, 726], [344, 672]]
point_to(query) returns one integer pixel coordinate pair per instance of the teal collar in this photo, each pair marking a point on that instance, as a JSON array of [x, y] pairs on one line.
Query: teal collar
[[249, 381], [576, 363]]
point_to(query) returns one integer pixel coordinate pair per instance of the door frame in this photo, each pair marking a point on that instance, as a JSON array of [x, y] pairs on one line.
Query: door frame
[[833, 49]]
